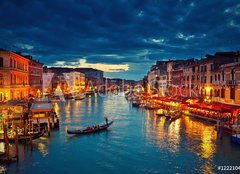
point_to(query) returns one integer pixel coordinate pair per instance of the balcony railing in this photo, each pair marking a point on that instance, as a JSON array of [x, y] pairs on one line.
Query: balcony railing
[[16, 69], [218, 82], [36, 83], [232, 82]]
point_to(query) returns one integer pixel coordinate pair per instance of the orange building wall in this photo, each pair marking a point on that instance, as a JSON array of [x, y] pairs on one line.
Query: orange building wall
[[15, 76]]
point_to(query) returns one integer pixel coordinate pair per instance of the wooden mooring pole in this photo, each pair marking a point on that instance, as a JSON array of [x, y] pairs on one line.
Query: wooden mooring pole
[[49, 127], [52, 121], [6, 142], [16, 143], [30, 131], [38, 123]]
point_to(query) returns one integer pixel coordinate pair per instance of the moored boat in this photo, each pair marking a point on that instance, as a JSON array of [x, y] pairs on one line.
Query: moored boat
[[160, 114], [174, 117], [135, 104], [168, 116], [236, 138], [91, 130], [80, 96], [90, 92], [235, 133], [23, 138]]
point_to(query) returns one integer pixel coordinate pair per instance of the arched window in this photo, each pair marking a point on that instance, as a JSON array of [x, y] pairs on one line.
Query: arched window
[[215, 93], [223, 92], [1, 62], [1, 79]]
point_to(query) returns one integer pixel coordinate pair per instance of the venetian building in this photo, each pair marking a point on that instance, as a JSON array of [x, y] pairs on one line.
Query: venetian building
[[35, 69], [14, 79], [227, 90], [204, 78], [75, 81]]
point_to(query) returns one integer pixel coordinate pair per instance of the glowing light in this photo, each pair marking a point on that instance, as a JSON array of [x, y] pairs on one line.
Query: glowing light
[[208, 88]]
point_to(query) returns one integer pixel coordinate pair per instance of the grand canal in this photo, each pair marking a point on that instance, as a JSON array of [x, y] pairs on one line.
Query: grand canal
[[137, 142]]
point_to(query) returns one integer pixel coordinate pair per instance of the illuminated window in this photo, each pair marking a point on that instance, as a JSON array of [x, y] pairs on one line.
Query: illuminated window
[[1, 62]]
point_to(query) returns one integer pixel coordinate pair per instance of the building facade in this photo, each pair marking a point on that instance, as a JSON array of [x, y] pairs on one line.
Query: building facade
[[35, 69], [14, 77], [216, 77]]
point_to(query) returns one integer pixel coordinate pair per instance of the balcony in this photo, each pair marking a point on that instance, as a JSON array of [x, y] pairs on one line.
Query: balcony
[[35, 83], [219, 82], [19, 85], [232, 82]]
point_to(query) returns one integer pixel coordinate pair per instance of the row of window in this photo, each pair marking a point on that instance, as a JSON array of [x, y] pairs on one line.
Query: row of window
[[18, 65], [216, 93], [18, 80], [217, 77], [199, 68], [202, 68], [34, 72]]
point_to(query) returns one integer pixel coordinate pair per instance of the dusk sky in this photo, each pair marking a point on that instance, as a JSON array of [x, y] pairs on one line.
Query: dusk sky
[[123, 37]]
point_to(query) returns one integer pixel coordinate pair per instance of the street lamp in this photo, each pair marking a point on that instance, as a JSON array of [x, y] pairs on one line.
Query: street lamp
[[38, 93], [207, 100]]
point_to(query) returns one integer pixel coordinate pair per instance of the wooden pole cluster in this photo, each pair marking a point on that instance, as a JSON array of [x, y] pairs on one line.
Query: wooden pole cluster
[[6, 141]]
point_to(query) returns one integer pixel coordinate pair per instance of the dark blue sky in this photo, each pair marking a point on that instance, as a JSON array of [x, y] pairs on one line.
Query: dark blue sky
[[124, 37]]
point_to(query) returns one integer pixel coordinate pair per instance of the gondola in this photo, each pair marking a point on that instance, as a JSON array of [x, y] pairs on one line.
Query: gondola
[[174, 117], [160, 114], [22, 138], [167, 116], [85, 131], [134, 104]]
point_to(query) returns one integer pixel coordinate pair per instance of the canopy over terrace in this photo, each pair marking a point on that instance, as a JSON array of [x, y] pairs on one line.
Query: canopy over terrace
[[235, 109], [175, 100], [210, 108], [217, 108], [44, 100], [41, 107]]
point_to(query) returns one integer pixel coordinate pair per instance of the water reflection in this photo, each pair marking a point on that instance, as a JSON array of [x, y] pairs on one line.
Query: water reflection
[[137, 142], [43, 149], [3, 169], [174, 136], [195, 136]]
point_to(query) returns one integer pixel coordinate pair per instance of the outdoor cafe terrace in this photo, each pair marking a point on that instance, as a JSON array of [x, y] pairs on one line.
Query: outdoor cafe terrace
[[198, 106]]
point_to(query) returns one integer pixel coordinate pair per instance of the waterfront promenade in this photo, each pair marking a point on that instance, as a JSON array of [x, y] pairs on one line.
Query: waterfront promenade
[[137, 142]]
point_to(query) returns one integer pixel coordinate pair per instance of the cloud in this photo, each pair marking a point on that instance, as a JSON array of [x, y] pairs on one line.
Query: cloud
[[192, 4], [232, 23], [60, 63], [140, 14], [82, 63], [233, 10], [184, 37], [136, 33], [24, 46], [156, 41]]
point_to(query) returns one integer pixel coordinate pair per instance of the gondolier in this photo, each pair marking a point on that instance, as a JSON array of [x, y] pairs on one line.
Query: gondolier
[[106, 121]]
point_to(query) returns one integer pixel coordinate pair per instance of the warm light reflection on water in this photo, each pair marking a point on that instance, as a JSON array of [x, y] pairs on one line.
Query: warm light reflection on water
[[43, 149], [56, 108], [67, 109], [174, 136], [3, 169], [137, 142]]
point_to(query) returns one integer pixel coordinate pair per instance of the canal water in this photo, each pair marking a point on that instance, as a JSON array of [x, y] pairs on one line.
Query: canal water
[[137, 142]]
